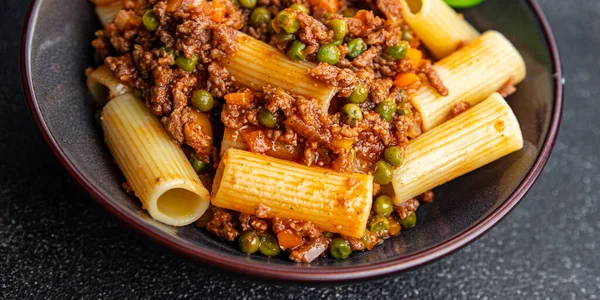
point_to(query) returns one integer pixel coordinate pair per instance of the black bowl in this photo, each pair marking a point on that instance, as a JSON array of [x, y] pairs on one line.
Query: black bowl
[[56, 50]]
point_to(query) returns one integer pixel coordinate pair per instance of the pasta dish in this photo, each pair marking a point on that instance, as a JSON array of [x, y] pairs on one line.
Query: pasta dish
[[305, 128]]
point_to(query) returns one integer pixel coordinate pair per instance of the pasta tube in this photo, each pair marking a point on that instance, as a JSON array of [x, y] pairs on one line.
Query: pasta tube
[[156, 169], [107, 9], [103, 85], [336, 202], [440, 28], [257, 64], [472, 139], [471, 74]]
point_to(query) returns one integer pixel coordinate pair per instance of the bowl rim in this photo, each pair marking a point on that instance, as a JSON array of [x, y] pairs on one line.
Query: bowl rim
[[306, 275]]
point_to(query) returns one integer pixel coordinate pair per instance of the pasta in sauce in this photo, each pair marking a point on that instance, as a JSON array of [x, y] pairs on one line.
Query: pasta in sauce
[[320, 126]]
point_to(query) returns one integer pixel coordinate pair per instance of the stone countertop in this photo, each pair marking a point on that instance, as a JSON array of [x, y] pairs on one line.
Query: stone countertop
[[55, 242]]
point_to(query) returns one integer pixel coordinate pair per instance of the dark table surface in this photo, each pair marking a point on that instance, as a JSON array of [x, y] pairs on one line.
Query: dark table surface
[[55, 242]]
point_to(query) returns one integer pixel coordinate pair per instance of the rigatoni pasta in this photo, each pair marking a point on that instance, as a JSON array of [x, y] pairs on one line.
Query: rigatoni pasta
[[257, 64], [440, 28], [156, 169], [103, 85], [318, 130], [107, 9], [473, 139], [336, 202], [471, 74]]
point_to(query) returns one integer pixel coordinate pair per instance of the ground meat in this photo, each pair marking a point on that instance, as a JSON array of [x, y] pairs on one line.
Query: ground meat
[[222, 224], [219, 80], [434, 78], [123, 68], [197, 134], [224, 38], [508, 88], [392, 11], [408, 206], [249, 222], [310, 122], [302, 228], [344, 79], [261, 211], [458, 108], [121, 41], [426, 197], [159, 101], [363, 23], [380, 90], [235, 116], [365, 58], [288, 136], [355, 244], [278, 99], [309, 250], [313, 33], [380, 127]]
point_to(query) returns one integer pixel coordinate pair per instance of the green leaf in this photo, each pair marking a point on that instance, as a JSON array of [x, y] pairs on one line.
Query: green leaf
[[463, 3]]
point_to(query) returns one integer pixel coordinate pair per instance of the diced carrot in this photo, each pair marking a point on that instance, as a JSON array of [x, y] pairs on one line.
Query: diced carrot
[[288, 239], [256, 140], [329, 5], [415, 56], [242, 98], [217, 11], [395, 227], [405, 79], [173, 5]]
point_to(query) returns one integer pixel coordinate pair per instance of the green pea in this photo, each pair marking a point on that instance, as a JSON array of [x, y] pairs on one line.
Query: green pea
[[267, 118], [337, 42], [186, 64], [198, 165], [359, 94], [300, 7], [269, 245], [169, 52], [396, 52], [407, 36], [386, 109], [339, 27], [248, 242], [150, 21], [349, 12], [339, 248], [247, 3], [383, 205], [356, 47], [284, 38], [329, 53], [351, 113], [202, 100], [394, 156], [260, 15], [287, 21], [378, 224], [295, 50], [382, 173], [410, 221]]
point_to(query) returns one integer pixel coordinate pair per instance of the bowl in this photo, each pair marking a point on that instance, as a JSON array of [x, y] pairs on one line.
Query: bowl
[[56, 50]]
